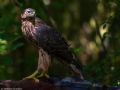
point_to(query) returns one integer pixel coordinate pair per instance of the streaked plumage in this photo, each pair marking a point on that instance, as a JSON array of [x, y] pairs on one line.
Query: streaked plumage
[[49, 41]]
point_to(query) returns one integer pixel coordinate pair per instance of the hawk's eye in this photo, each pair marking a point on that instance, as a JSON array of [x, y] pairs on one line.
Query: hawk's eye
[[28, 11]]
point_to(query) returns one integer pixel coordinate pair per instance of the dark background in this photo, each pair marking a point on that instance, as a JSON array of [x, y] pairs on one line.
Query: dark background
[[87, 26]]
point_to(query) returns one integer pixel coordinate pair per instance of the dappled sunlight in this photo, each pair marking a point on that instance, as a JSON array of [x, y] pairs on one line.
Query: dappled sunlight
[[47, 2], [100, 6], [87, 29], [93, 23], [3, 46], [97, 40], [91, 48], [103, 30], [83, 41], [67, 20], [4, 3]]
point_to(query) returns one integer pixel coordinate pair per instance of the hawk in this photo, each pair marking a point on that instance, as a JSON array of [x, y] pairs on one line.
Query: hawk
[[49, 42]]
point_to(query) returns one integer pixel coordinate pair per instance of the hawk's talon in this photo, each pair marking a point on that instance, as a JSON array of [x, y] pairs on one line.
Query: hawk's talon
[[46, 75], [35, 79], [33, 76], [43, 75]]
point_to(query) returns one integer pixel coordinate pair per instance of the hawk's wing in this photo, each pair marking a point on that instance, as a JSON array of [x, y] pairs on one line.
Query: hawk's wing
[[52, 42]]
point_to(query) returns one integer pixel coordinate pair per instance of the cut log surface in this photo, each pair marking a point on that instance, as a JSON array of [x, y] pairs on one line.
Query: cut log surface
[[68, 83]]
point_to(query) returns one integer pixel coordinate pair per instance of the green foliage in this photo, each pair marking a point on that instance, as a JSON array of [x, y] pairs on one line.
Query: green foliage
[[79, 21], [3, 46]]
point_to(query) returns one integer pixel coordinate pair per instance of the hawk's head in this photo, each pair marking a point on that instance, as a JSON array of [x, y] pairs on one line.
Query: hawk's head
[[28, 13]]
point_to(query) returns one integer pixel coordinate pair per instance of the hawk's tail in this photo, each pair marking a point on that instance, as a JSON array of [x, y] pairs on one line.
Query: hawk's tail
[[76, 67]]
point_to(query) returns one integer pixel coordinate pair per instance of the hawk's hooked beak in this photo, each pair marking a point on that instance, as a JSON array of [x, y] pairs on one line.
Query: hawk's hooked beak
[[23, 16]]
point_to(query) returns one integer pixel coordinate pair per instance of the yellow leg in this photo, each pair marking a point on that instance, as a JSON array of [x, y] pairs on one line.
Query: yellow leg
[[33, 76], [46, 75], [43, 74]]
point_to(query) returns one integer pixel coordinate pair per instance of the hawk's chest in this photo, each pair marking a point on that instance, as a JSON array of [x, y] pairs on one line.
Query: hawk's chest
[[29, 31]]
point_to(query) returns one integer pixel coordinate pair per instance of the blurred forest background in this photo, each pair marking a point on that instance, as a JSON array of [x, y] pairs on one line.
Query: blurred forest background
[[90, 26]]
